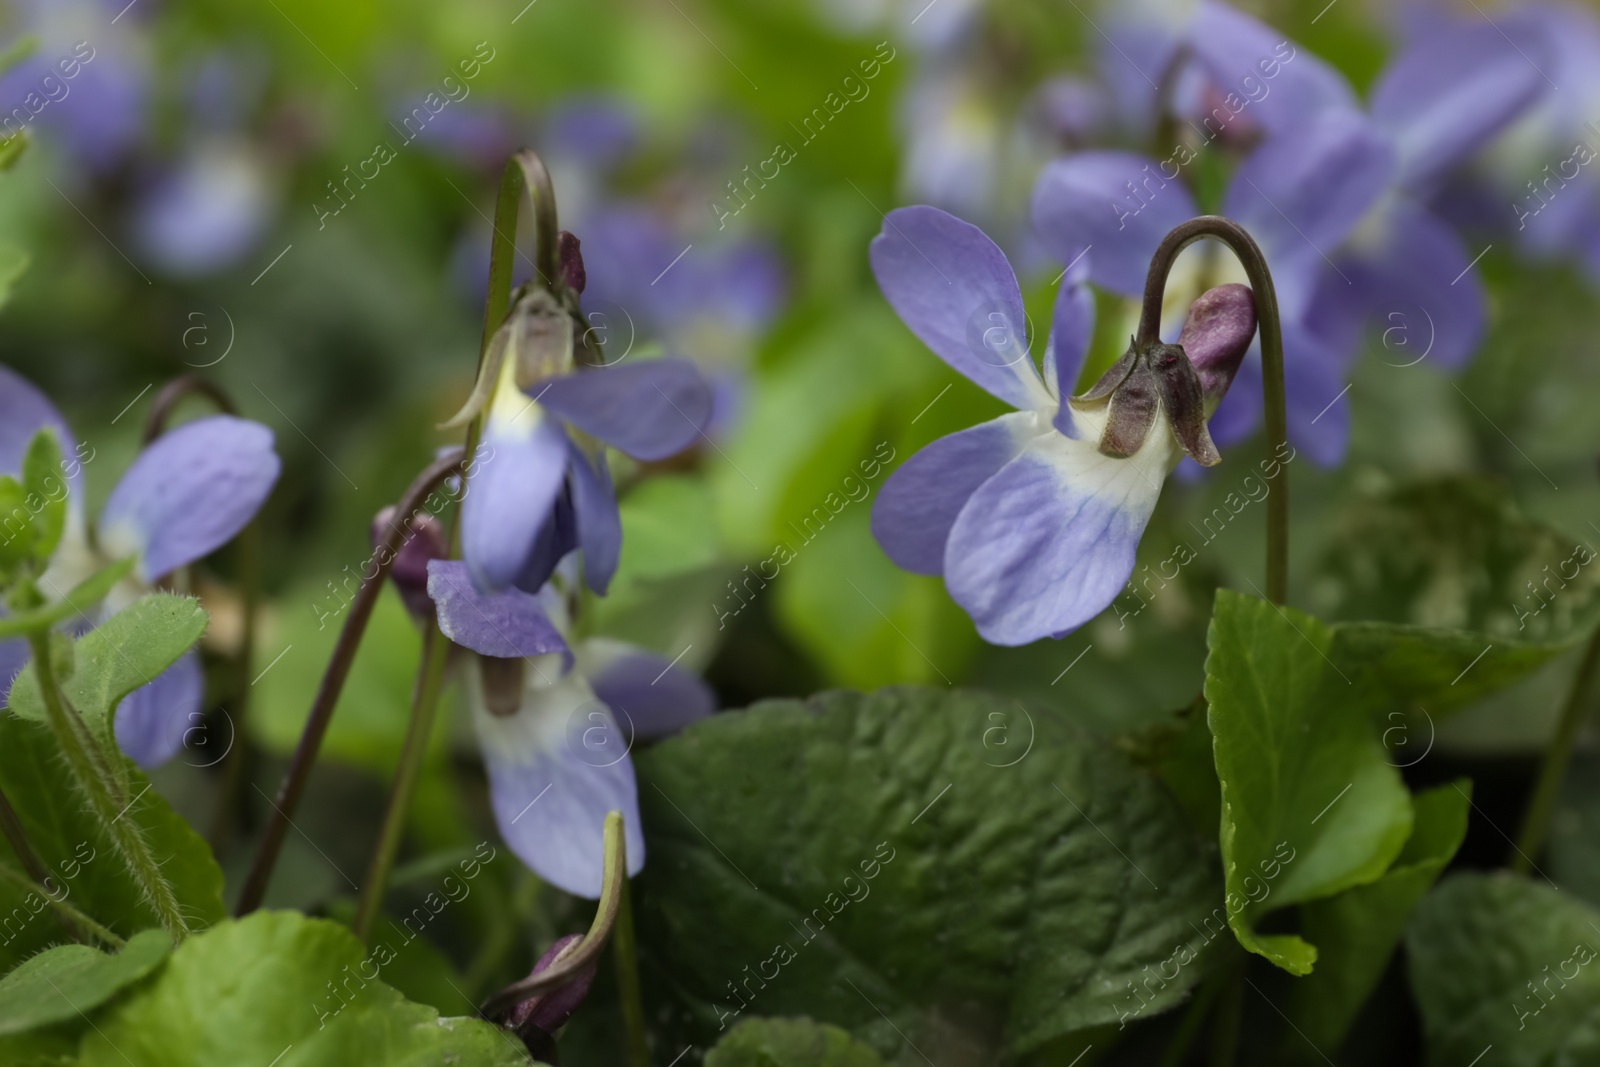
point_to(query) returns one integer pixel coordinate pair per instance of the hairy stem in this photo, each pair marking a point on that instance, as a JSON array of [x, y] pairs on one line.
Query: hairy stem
[[106, 792], [333, 679], [11, 826], [1553, 769], [71, 917], [1249, 255]]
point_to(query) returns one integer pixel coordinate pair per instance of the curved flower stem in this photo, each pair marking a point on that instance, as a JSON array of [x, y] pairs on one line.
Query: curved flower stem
[[1553, 769], [106, 792], [627, 961], [1249, 255], [72, 918], [613, 880], [344, 654], [237, 758], [523, 171]]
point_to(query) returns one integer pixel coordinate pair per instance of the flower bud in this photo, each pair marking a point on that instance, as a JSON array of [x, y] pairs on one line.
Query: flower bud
[[549, 1011], [423, 540], [571, 261], [1216, 334]]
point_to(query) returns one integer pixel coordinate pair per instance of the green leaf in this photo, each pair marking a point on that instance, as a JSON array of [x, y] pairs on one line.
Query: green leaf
[[47, 490], [872, 851], [1356, 932], [790, 1043], [669, 527], [278, 987], [79, 854], [14, 259], [121, 654], [1305, 782], [1296, 708], [16, 529], [1456, 552], [1500, 960], [65, 982], [88, 591]]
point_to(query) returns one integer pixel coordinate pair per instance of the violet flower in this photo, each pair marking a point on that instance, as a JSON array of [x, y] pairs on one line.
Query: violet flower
[[1335, 202], [1033, 518], [547, 717], [184, 496], [544, 487]]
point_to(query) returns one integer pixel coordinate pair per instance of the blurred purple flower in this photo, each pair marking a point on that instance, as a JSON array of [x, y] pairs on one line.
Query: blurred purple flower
[[184, 496], [547, 717], [1033, 518], [206, 212]]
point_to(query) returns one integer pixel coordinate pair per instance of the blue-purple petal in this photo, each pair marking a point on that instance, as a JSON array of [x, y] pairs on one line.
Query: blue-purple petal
[[648, 691], [650, 409], [919, 502], [23, 411], [1116, 203], [510, 495], [599, 525], [507, 625], [189, 492], [1047, 543], [1451, 91], [151, 721], [1071, 328], [1238, 53], [952, 286]]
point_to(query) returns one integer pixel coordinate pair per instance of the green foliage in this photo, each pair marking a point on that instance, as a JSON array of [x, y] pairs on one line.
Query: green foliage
[[253, 989], [790, 1043], [88, 591], [123, 653], [80, 855], [1294, 708], [1356, 932], [1499, 960], [865, 860], [61, 983]]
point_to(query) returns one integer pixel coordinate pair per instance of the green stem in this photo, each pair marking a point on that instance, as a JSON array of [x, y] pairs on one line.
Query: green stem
[[1230, 1012], [71, 917], [333, 679], [106, 792], [1194, 1021], [627, 961], [1547, 788], [11, 825], [424, 705], [1250, 257]]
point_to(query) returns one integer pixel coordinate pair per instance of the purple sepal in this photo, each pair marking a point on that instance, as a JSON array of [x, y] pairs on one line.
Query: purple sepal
[[422, 542], [550, 1011]]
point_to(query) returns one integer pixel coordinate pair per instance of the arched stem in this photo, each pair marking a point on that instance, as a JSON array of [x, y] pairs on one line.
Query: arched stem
[[1249, 255], [344, 654], [614, 875], [1553, 768]]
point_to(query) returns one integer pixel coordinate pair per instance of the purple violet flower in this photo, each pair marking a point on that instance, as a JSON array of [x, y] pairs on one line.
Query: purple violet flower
[[1033, 518], [547, 717], [185, 495]]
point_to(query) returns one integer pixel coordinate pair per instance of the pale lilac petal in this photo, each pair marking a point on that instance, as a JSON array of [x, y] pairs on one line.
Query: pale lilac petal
[[151, 721], [1048, 542], [23, 410], [13, 657], [919, 502], [189, 492], [556, 538], [507, 625], [1305, 189], [599, 525], [648, 692], [954, 289], [1314, 393], [1118, 204], [1071, 329], [650, 409], [511, 493], [1238, 52], [1416, 273], [1450, 92], [556, 768]]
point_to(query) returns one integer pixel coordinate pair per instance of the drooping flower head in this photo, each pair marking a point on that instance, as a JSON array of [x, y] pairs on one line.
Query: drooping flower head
[[1033, 518], [185, 495]]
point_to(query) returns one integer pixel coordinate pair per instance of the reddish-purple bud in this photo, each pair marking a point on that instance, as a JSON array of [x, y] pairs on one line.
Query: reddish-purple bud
[[550, 1011], [422, 540], [1216, 334], [571, 261]]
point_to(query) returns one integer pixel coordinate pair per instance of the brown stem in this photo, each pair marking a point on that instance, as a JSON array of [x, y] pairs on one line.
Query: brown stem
[[177, 390], [333, 679]]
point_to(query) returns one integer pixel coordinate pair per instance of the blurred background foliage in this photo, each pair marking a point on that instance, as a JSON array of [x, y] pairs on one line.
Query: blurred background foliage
[[168, 216]]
